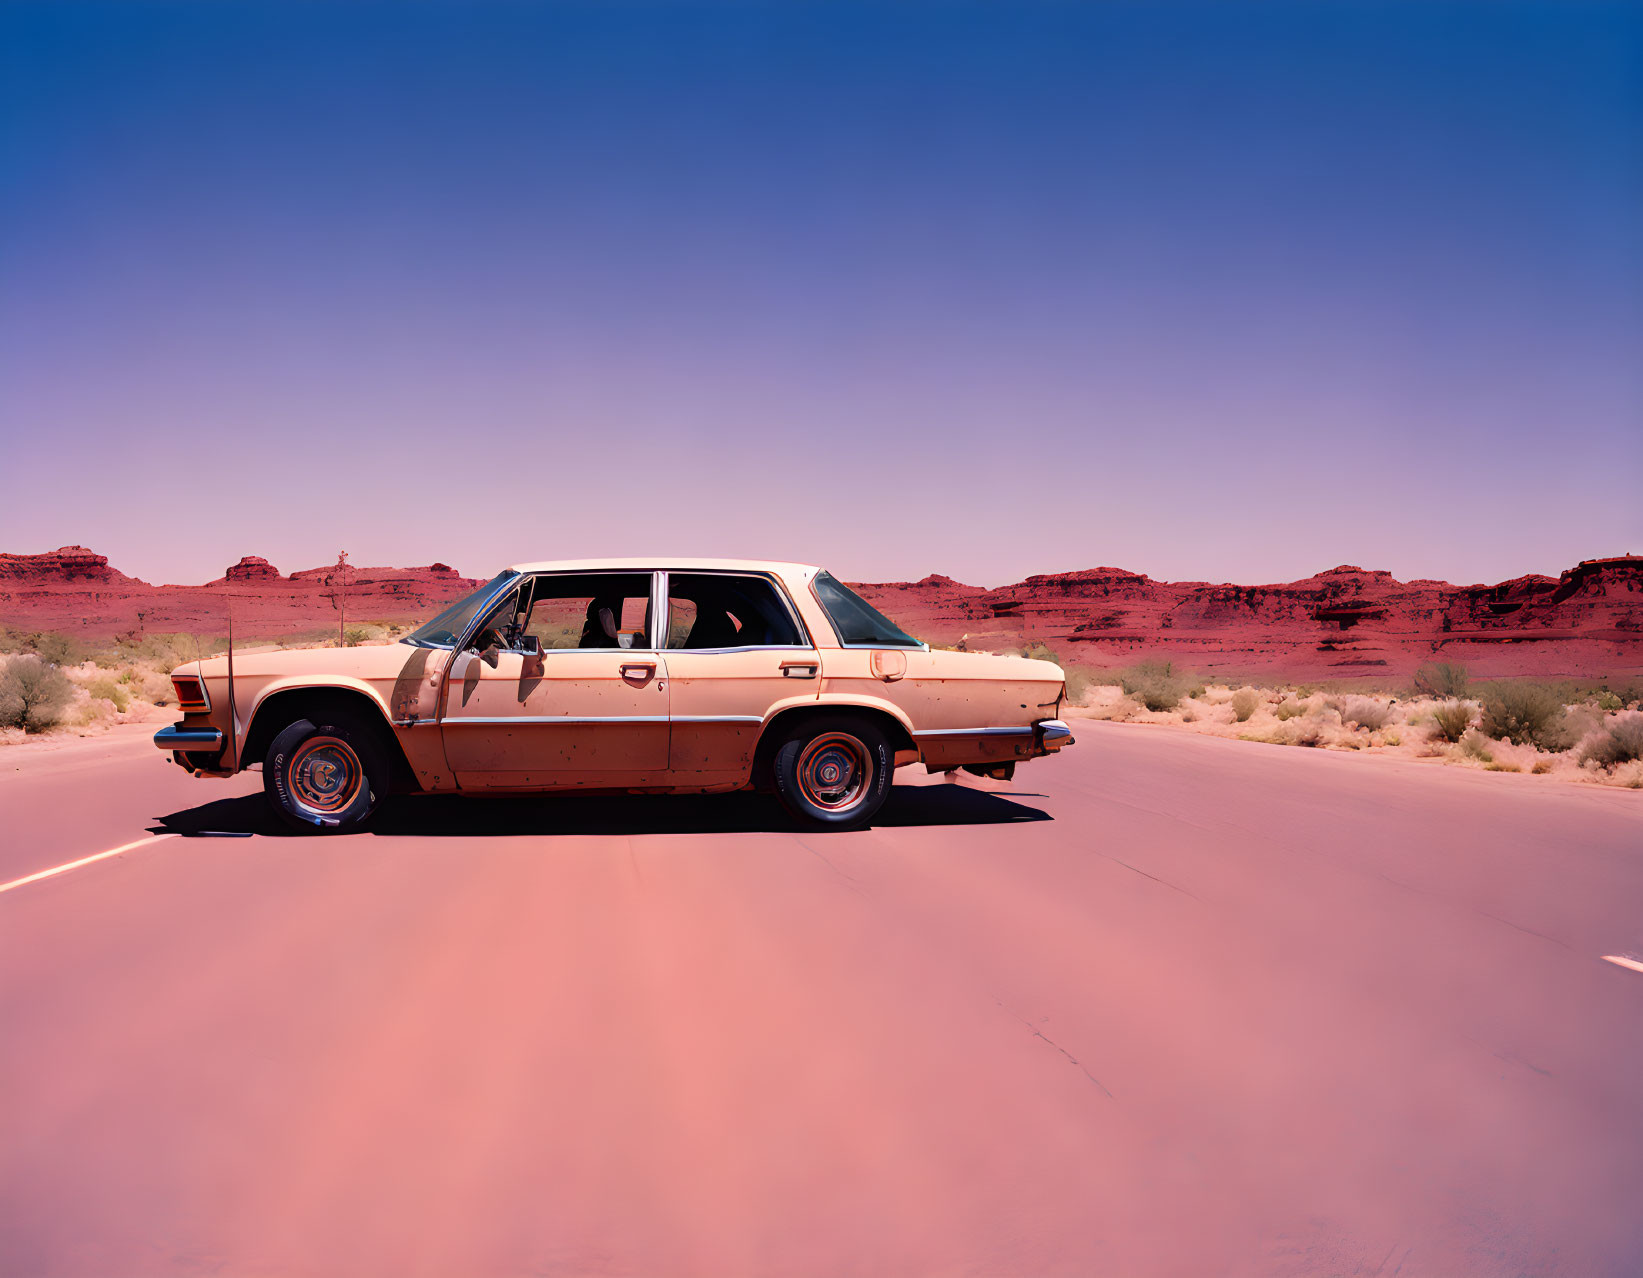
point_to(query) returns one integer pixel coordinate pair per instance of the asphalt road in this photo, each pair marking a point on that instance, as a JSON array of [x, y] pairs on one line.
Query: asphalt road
[[1168, 1005]]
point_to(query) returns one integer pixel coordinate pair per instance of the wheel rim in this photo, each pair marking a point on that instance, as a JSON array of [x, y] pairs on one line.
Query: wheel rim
[[325, 774], [835, 771]]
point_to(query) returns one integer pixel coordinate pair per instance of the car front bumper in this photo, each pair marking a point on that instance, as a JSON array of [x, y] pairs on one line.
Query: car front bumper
[[189, 740]]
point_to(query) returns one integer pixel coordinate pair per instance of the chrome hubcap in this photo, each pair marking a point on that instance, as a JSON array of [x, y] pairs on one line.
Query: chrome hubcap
[[325, 774], [835, 771]]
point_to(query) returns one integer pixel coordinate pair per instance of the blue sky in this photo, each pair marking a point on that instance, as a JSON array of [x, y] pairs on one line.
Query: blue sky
[[1225, 292]]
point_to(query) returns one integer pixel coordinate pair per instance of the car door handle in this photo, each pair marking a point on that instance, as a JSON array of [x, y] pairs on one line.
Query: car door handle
[[638, 669], [799, 669]]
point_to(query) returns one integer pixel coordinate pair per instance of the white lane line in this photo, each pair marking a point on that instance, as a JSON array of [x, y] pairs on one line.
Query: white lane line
[[1621, 961], [85, 860]]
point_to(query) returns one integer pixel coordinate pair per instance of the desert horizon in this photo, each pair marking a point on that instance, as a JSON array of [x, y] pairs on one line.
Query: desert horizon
[[1341, 623]]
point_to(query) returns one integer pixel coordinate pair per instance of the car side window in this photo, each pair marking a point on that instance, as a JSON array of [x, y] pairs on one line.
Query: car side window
[[726, 610], [590, 610]]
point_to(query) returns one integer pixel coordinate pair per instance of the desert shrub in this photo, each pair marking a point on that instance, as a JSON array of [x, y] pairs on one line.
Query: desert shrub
[[1621, 695], [1442, 680], [56, 649], [32, 694], [1523, 713], [110, 690], [1451, 719], [1245, 702], [1305, 732], [1393, 739], [1289, 709], [1474, 745], [1155, 684], [1366, 712], [1620, 741]]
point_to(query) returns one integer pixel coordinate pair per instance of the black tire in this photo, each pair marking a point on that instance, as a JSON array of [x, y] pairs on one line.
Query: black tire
[[326, 777], [834, 773]]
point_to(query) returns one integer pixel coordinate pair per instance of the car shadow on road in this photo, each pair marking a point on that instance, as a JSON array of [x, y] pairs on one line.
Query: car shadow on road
[[448, 816]]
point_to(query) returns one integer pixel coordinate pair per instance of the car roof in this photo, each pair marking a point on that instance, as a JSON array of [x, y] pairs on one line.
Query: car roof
[[667, 563]]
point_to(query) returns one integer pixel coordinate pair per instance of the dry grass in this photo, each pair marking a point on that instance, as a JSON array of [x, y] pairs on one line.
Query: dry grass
[[1442, 681], [1577, 743], [1365, 712], [1451, 720], [1619, 741], [1157, 685]]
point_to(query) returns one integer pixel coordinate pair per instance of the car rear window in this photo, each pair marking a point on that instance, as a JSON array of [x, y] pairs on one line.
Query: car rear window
[[856, 620]]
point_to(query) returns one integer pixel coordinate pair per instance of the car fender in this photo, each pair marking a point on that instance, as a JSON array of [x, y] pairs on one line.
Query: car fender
[[298, 683], [846, 701]]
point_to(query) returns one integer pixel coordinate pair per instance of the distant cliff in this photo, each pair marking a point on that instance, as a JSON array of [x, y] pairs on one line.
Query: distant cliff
[[75, 591], [1344, 623]]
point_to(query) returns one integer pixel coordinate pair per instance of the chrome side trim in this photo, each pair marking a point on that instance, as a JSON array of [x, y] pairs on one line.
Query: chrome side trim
[[752, 647], [457, 721], [975, 732]]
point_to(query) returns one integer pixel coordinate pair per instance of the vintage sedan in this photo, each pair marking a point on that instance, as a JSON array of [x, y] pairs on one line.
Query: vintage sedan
[[664, 675]]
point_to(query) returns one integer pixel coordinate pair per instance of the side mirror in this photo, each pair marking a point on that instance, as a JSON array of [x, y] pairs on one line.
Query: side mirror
[[531, 646]]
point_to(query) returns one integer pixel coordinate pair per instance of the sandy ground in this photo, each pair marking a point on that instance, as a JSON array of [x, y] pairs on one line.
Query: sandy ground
[[1406, 735], [1168, 1005]]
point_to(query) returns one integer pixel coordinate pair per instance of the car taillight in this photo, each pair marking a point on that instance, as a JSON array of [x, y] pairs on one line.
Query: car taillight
[[190, 693]]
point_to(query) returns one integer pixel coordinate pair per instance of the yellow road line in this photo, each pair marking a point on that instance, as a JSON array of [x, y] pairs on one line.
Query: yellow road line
[[85, 860], [1621, 961]]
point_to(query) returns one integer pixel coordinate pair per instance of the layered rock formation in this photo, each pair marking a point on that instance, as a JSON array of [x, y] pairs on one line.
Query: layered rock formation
[[1343, 623], [74, 591]]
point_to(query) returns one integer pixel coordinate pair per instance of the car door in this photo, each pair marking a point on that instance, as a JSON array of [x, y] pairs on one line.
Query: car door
[[535, 701], [735, 649]]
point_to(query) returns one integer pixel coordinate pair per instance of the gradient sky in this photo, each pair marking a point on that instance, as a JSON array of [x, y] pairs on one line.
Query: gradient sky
[[1225, 292]]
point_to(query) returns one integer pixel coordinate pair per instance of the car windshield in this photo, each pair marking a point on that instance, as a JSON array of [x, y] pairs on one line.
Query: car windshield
[[444, 630], [856, 620]]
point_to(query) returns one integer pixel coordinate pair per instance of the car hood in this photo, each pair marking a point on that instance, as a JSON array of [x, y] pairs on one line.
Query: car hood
[[371, 662]]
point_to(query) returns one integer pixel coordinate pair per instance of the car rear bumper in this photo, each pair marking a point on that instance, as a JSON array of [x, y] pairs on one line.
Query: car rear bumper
[[1050, 735], [942, 749]]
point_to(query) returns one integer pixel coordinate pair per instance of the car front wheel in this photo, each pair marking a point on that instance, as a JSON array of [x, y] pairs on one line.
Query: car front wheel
[[325, 777], [834, 773]]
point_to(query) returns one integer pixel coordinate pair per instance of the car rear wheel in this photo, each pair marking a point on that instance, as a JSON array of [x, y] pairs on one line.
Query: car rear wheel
[[834, 773], [325, 777]]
